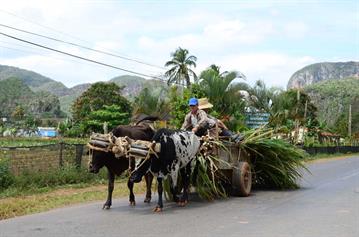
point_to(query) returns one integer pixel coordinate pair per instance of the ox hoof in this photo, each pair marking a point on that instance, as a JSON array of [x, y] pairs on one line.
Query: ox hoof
[[157, 209], [132, 203], [147, 200], [106, 207], [182, 203]]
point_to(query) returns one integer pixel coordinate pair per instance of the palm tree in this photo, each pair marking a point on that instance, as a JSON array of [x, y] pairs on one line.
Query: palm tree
[[262, 98], [220, 89], [180, 71], [150, 103]]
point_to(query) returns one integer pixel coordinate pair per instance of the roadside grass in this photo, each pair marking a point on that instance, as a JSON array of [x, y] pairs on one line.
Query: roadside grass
[[323, 157], [49, 198]]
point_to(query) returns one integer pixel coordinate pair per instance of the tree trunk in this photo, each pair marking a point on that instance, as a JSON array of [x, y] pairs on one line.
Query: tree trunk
[[188, 81]]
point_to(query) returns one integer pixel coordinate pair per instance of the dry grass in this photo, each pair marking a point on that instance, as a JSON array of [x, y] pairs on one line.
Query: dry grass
[[29, 204]]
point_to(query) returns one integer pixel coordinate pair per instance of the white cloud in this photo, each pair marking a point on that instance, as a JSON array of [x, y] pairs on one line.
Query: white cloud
[[273, 68], [295, 29], [237, 31], [223, 36], [225, 29]]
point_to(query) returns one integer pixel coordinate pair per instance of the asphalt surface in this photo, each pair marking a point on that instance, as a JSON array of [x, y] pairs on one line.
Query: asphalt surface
[[326, 205]]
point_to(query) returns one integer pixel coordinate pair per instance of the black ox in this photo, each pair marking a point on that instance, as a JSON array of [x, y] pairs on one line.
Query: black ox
[[117, 165], [178, 149]]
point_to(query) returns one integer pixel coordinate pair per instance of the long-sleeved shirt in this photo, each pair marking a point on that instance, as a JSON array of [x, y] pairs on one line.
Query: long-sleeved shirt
[[197, 120]]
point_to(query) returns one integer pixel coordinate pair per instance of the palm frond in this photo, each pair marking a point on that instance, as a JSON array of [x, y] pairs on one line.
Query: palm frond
[[276, 163]]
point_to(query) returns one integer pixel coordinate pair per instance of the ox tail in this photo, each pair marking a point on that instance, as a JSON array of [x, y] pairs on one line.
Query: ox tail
[[148, 118]]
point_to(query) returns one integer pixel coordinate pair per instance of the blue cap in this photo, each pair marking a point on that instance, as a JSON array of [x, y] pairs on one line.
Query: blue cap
[[193, 101]]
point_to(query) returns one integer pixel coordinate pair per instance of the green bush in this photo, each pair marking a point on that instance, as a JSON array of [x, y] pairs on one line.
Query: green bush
[[6, 177], [75, 131]]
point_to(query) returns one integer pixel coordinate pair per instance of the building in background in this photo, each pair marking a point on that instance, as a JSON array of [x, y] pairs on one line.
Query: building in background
[[47, 131]]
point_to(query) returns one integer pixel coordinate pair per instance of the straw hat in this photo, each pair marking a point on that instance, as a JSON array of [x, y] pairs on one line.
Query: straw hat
[[204, 104]]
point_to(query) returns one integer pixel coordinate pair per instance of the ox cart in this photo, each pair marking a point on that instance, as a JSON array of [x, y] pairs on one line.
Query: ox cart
[[233, 163]]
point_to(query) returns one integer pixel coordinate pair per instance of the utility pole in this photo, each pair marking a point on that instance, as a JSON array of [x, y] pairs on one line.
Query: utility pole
[[350, 121], [305, 110], [296, 129]]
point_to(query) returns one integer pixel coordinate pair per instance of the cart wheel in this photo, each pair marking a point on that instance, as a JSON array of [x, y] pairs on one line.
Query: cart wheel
[[242, 180]]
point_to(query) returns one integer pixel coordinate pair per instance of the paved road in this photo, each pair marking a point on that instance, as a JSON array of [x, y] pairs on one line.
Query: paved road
[[326, 205]]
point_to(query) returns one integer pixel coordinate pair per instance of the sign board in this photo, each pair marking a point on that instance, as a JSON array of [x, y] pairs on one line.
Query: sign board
[[257, 119]]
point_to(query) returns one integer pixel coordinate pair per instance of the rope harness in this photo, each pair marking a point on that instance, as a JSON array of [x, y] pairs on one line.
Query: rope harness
[[123, 146], [101, 142]]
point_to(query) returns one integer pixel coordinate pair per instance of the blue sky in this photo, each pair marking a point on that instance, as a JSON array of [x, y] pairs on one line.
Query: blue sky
[[267, 40]]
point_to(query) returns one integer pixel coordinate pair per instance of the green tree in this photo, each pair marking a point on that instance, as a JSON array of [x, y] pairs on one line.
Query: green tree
[[98, 95], [32, 122], [180, 71], [342, 124], [90, 106], [179, 102], [109, 114], [18, 113]]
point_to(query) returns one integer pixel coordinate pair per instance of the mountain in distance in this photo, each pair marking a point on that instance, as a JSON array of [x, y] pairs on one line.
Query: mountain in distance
[[39, 83], [333, 97], [134, 84], [73, 93], [332, 87], [35, 81], [14, 92], [319, 72]]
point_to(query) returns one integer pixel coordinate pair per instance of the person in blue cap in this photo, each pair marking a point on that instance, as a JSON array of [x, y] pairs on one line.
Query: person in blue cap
[[196, 120]]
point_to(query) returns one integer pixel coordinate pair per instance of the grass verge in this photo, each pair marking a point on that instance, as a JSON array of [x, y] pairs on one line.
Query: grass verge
[[60, 197], [324, 157]]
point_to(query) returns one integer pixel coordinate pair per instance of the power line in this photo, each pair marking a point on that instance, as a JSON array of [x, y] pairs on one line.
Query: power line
[[81, 46], [44, 55], [71, 36], [79, 57], [46, 27], [63, 33]]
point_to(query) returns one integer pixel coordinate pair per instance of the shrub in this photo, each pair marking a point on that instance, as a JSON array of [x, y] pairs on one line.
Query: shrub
[[6, 177]]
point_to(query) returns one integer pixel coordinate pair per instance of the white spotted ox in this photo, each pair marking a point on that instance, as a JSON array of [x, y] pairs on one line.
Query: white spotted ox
[[178, 149]]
